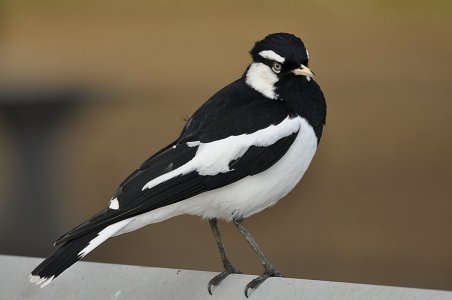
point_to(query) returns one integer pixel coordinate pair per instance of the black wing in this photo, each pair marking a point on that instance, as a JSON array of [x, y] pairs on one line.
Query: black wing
[[214, 120]]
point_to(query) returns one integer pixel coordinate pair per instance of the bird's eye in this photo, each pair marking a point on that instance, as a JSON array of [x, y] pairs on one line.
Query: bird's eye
[[276, 67]]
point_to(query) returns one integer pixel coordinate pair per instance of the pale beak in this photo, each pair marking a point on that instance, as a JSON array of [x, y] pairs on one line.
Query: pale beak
[[303, 71]]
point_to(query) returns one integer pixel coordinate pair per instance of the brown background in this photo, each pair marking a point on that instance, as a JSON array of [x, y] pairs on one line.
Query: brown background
[[375, 205]]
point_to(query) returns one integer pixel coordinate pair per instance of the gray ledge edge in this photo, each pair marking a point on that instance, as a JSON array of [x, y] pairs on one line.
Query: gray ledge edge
[[89, 280]]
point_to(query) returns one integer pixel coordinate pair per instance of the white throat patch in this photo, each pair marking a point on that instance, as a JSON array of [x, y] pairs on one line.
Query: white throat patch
[[261, 78]]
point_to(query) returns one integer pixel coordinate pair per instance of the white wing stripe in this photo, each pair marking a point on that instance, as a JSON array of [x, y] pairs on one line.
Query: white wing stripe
[[214, 157], [103, 235]]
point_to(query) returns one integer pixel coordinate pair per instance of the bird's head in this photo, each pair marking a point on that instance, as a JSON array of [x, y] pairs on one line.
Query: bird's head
[[279, 57]]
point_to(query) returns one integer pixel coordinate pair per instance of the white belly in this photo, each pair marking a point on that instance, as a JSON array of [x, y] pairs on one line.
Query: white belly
[[247, 196]]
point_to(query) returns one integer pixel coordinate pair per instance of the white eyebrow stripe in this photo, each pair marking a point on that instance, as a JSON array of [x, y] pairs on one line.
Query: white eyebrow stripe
[[272, 55]]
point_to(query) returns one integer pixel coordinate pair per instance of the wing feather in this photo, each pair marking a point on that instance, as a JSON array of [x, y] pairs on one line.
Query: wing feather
[[134, 201]]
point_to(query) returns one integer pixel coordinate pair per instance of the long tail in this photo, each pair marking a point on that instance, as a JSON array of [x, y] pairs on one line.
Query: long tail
[[70, 252]]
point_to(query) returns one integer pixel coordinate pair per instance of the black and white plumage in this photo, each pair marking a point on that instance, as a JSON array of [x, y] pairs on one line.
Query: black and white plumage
[[241, 151]]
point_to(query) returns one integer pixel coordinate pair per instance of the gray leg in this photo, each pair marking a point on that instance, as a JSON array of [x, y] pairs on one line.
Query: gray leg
[[269, 269], [228, 267]]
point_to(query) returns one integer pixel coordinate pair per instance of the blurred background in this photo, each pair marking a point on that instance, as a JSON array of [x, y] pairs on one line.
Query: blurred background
[[90, 89]]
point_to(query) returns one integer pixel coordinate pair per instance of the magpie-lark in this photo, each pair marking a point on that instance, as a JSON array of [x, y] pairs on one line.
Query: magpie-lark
[[240, 152]]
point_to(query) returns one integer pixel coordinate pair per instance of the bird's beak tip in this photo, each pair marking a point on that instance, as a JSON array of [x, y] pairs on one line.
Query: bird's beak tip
[[303, 70]]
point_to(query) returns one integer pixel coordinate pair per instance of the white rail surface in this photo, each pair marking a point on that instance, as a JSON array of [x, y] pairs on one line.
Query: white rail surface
[[87, 280]]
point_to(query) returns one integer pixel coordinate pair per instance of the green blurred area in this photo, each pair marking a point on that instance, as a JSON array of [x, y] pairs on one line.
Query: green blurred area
[[375, 205]]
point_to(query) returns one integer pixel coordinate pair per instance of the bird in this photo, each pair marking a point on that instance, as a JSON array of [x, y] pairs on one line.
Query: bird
[[242, 151]]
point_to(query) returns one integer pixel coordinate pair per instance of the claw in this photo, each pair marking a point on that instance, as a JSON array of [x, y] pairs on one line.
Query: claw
[[220, 277], [254, 284]]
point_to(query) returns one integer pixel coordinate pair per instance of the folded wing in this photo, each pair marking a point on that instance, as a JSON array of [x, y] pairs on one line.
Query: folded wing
[[184, 170]]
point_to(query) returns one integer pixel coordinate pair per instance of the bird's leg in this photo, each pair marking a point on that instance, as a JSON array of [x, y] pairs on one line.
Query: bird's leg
[[228, 267], [269, 269]]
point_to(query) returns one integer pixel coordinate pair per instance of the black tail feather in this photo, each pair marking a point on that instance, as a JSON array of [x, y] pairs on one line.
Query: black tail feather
[[61, 259]]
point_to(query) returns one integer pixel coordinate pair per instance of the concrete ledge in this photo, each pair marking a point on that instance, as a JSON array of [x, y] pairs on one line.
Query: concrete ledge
[[86, 280]]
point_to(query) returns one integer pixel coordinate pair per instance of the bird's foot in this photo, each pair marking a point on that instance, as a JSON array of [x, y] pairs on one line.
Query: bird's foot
[[230, 269], [254, 284]]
